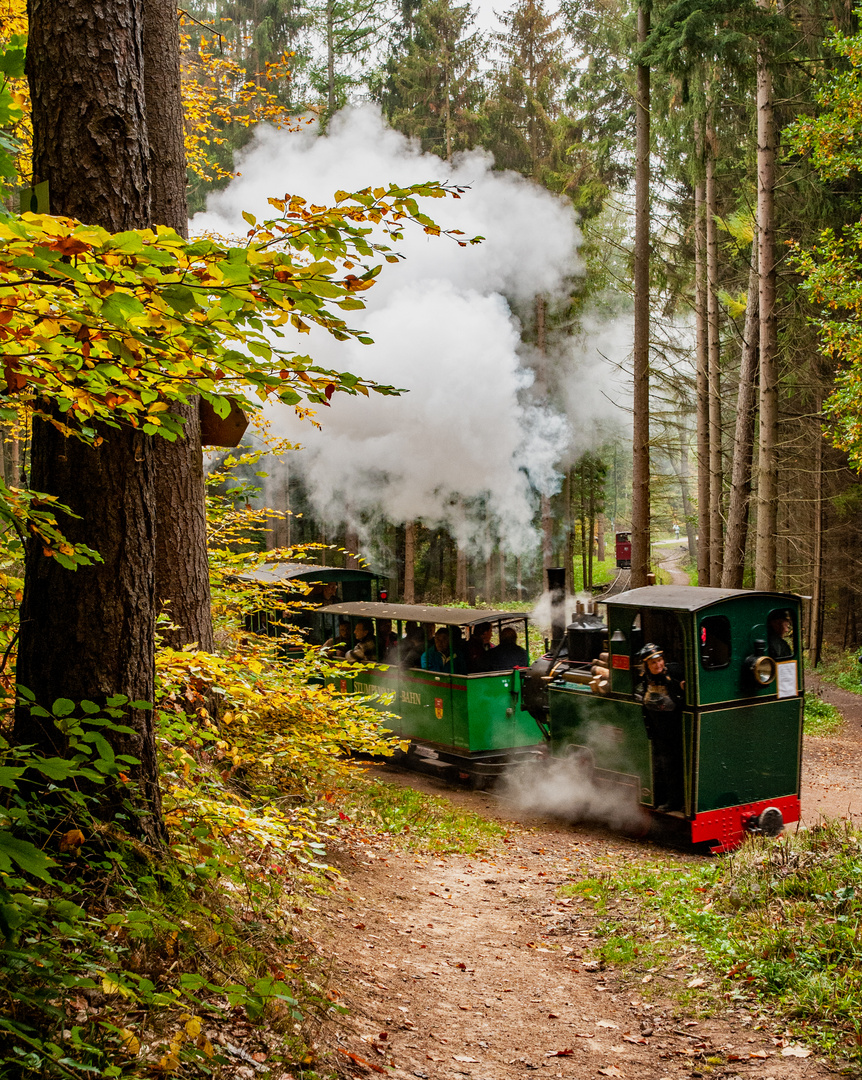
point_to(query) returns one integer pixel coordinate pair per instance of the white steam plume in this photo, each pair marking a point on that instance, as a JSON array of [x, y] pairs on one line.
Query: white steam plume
[[467, 443], [568, 788]]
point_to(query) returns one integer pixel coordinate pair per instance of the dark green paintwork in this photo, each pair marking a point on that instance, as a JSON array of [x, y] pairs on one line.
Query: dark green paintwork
[[747, 751], [748, 754], [480, 713]]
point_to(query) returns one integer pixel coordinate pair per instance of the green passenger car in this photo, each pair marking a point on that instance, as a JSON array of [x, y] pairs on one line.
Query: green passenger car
[[471, 722], [740, 660]]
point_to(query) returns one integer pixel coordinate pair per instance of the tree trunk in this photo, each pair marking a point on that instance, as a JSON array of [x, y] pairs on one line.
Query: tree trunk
[[815, 621], [702, 353], [681, 468], [182, 567], [330, 58], [351, 548], [460, 573], [765, 567], [88, 634], [640, 397], [743, 442], [713, 364], [410, 562], [600, 539]]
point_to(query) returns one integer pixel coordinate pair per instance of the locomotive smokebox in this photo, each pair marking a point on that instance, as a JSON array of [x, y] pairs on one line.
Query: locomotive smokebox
[[556, 576], [586, 635]]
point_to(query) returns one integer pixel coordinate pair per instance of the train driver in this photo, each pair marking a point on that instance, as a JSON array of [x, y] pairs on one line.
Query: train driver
[[660, 691], [780, 628]]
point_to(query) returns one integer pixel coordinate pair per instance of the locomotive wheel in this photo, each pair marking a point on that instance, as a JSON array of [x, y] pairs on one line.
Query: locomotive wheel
[[771, 822], [583, 759]]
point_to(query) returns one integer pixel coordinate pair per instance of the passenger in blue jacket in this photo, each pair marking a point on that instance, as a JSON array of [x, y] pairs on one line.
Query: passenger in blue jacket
[[436, 656]]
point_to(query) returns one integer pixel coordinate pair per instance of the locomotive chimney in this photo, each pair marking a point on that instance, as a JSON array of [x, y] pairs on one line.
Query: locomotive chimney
[[557, 589]]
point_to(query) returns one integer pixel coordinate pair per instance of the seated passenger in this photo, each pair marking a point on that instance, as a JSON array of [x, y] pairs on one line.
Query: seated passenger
[[478, 646], [338, 646], [460, 648], [365, 649], [387, 642], [508, 654], [436, 656], [412, 645]]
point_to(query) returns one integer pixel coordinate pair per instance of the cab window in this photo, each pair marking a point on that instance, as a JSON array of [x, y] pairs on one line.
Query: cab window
[[714, 642], [780, 629]]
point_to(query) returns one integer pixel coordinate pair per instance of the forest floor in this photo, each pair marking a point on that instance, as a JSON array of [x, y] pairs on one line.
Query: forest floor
[[454, 966]]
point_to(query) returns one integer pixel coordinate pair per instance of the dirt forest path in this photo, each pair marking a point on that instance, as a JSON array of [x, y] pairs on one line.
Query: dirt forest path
[[672, 556], [455, 967], [474, 967]]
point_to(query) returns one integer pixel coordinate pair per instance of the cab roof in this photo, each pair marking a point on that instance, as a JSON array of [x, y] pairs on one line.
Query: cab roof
[[688, 597], [423, 613]]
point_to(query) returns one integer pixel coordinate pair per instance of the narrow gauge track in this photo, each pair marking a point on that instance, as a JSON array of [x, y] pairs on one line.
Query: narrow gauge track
[[620, 584]]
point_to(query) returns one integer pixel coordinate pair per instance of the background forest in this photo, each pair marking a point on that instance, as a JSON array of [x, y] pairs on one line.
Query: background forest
[[550, 94], [668, 206]]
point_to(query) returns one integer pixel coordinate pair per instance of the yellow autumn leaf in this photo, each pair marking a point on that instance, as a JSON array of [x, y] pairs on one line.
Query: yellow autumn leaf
[[110, 986], [130, 1042]]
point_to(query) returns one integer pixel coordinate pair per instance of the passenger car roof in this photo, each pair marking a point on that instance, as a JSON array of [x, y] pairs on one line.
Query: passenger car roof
[[423, 613], [272, 573], [687, 597]]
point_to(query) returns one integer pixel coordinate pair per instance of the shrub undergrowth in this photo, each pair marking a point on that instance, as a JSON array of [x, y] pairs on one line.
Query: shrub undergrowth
[[774, 926]]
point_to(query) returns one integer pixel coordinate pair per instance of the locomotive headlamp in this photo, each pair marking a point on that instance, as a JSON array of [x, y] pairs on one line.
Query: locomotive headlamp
[[761, 669]]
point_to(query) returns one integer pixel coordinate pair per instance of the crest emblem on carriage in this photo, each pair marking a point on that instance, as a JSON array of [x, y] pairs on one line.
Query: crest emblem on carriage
[[438, 707]]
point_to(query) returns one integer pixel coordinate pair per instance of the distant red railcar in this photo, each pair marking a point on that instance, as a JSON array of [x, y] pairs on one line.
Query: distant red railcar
[[624, 550]]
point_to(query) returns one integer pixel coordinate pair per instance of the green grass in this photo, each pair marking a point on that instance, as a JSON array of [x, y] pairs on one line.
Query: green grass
[[603, 572], [418, 821], [842, 669], [776, 926], [821, 718]]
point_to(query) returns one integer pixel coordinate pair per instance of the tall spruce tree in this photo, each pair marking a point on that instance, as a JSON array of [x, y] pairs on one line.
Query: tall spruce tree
[[89, 634], [433, 90]]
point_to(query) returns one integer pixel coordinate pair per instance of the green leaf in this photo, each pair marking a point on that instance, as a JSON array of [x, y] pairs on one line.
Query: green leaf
[[9, 774], [26, 855], [63, 707], [120, 307], [55, 768]]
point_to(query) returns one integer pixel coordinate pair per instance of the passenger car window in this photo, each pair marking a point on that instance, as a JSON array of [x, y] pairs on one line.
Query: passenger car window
[[715, 642]]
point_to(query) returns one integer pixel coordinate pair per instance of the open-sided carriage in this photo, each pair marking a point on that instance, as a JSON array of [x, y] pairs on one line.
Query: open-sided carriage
[[473, 723]]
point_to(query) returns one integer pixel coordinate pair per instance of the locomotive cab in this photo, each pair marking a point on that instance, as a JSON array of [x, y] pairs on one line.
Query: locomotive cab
[[737, 654]]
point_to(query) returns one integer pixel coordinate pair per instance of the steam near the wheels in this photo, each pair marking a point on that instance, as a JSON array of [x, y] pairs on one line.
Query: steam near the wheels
[[570, 787], [473, 443]]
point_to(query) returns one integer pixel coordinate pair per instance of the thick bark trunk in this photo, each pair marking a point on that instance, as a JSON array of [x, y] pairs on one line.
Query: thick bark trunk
[[714, 365], [640, 398], [88, 634], [182, 567], [702, 353], [743, 442], [766, 555]]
